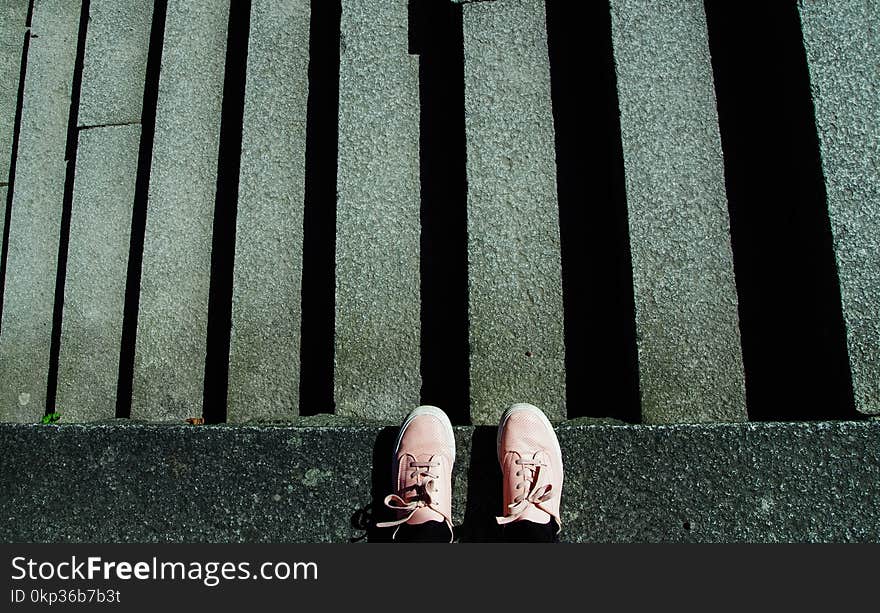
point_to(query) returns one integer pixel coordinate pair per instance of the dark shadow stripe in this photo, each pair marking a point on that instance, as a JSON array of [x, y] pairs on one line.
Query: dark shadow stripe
[[793, 336], [601, 359], [13, 163], [225, 210], [436, 36], [139, 213], [319, 215], [64, 238]]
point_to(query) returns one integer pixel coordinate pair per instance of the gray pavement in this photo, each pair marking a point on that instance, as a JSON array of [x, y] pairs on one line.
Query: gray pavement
[[266, 312], [703, 483], [514, 267], [687, 324], [377, 225], [37, 204], [169, 364], [842, 40]]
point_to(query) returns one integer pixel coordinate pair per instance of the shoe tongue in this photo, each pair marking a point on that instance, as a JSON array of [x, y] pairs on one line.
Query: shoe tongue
[[420, 458], [538, 479], [424, 514]]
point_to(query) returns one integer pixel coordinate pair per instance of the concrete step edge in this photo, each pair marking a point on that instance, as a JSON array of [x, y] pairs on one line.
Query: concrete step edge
[[179, 483]]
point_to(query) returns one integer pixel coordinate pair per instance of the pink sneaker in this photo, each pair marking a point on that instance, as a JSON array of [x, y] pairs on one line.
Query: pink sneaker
[[422, 470], [531, 465]]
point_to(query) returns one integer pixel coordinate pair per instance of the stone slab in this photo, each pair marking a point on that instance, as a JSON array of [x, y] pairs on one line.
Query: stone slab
[[687, 325], [842, 40], [114, 69], [115, 63], [97, 271], [704, 483], [514, 265], [37, 203], [169, 368], [13, 17], [377, 346], [266, 312]]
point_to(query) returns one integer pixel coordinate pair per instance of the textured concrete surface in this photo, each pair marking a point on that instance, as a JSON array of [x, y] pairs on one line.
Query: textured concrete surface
[[115, 63], [35, 221], [690, 359], [169, 367], [720, 483], [97, 267], [114, 68], [377, 227], [265, 344], [514, 267], [842, 40], [13, 15]]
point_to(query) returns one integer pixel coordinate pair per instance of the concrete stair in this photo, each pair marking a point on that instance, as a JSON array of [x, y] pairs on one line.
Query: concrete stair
[[248, 212], [325, 483]]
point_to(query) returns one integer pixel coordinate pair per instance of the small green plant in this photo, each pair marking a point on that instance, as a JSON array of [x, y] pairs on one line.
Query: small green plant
[[51, 418]]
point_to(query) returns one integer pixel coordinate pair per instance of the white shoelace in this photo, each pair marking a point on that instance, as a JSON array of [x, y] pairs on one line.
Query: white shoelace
[[425, 486], [531, 494]]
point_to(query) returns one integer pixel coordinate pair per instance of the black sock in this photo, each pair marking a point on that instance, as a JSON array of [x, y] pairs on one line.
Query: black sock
[[525, 531], [428, 532]]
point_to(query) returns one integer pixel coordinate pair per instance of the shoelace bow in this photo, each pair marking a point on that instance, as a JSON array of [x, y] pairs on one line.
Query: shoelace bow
[[535, 496], [422, 498]]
